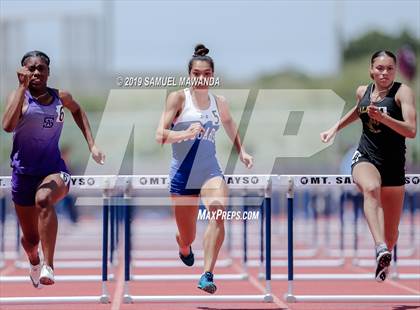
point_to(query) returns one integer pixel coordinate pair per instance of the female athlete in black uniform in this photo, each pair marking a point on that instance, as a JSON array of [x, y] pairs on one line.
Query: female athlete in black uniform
[[388, 114]]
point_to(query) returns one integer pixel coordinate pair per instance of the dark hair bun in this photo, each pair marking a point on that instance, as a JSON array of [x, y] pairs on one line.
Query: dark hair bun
[[200, 50]]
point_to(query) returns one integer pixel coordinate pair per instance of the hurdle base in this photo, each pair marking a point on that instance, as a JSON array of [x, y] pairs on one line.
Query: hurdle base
[[50, 300], [352, 298], [268, 298], [104, 299], [290, 298], [127, 299], [194, 298]]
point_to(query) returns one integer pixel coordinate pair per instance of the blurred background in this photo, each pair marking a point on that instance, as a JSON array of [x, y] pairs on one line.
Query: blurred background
[[303, 45]]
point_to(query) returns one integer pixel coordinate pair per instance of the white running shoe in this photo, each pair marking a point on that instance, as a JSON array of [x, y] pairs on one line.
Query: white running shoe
[[34, 274], [47, 275]]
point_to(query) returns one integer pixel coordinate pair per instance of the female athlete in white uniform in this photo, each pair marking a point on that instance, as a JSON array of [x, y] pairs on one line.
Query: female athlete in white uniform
[[190, 121]]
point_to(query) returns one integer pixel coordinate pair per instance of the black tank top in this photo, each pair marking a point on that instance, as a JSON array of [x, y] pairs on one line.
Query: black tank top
[[381, 143]]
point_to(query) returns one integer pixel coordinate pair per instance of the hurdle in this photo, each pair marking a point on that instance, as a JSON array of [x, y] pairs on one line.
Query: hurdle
[[359, 253], [154, 262], [292, 181], [300, 262], [103, 184], [177, 263], [139, 183]]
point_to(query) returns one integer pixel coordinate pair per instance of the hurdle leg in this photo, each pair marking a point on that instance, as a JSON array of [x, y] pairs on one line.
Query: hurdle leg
[[343, 199], [411, 198], [267, 203], [105, 211], [327, 215], [315, 234], [18, 250], [127, 257], [3, 221], [262, 240], [290, 195], [355, 227], [394, 273], [118, 219], [112, 232]]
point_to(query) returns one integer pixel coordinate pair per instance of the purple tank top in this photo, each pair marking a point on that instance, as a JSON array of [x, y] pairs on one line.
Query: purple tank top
[[35, 138]]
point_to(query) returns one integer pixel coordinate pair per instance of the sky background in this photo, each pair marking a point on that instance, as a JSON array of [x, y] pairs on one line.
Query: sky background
[[245, 38]]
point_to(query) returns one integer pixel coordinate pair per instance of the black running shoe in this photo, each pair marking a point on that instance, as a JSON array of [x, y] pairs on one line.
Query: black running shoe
[[383, 260], [189, 259]]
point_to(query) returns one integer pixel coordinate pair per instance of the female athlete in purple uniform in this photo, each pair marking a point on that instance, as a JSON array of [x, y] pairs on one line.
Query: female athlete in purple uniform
[[388, 113], [34, 113]]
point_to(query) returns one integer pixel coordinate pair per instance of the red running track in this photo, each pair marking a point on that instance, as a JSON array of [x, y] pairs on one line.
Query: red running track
[[251, 286]]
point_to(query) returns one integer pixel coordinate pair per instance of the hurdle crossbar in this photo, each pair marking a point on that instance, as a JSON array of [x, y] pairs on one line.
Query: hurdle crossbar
[[175, 263], [64, 255], [366, 253], [76, 264], [277, 253], [327, 263]]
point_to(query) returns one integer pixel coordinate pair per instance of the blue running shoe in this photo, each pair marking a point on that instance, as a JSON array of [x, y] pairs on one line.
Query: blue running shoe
[[206, 283], [189, 259]]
